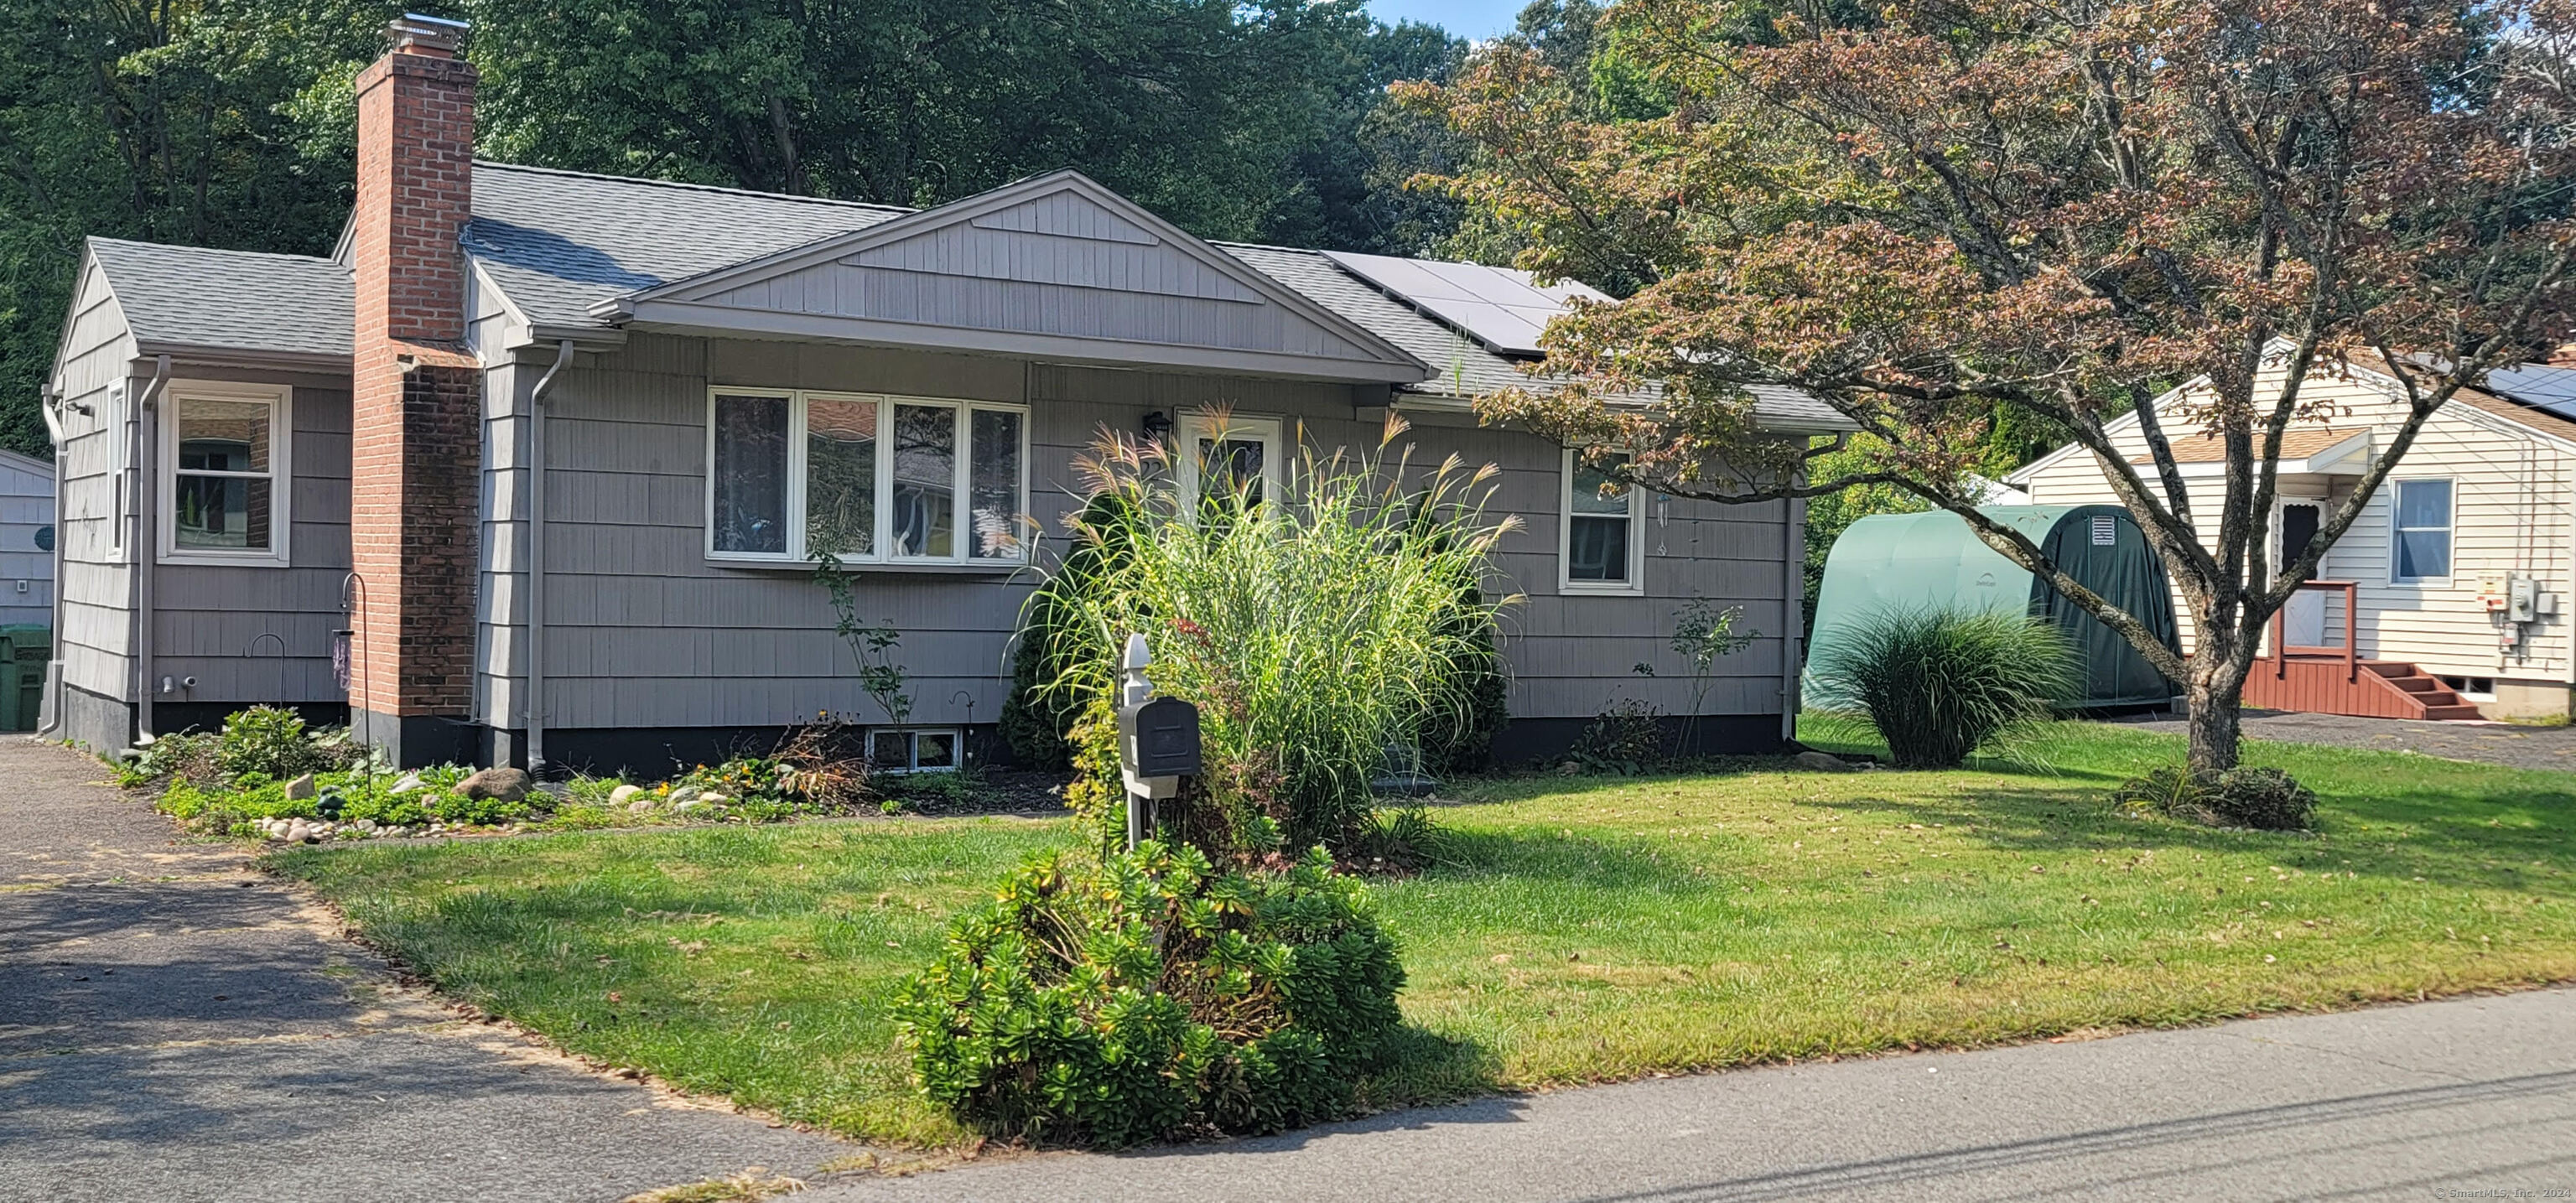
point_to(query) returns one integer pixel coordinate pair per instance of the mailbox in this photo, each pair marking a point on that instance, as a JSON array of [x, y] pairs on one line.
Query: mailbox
[[1159, 738]]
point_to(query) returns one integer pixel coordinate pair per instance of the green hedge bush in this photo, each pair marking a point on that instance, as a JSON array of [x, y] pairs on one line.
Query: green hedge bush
[[2263, 798], [1139, 996]]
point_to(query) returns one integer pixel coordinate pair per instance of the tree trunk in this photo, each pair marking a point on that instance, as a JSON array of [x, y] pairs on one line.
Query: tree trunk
[[2214, 694]]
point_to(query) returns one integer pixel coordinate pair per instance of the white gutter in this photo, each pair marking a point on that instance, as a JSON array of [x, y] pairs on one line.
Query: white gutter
[[52, 707], [147, 543], [536, 641]]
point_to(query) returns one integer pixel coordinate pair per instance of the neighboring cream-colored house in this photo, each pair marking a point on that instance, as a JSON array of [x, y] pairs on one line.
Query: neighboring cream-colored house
[[2460, 566]]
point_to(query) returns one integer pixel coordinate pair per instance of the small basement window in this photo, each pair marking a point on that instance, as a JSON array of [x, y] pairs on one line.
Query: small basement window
[[2480, 689], [915, 750]]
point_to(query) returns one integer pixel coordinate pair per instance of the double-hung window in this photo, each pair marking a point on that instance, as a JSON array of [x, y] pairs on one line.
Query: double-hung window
[[864, 477], [1602, 537], [1221, 454], [2420, 544], [223, 473]]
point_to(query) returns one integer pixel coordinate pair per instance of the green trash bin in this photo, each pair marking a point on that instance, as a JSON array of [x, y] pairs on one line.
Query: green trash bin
[[24, 649]]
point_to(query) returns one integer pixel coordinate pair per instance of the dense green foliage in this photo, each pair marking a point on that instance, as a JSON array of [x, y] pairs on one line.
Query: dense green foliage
[[1145, 995], [2263, 798], [230, 122], [1940, 684]]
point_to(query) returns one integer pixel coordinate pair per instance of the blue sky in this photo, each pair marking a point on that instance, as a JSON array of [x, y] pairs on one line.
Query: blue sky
[[1466, 18]]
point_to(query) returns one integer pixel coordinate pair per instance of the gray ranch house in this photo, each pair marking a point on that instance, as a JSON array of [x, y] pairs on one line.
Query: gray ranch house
[[532, 470]]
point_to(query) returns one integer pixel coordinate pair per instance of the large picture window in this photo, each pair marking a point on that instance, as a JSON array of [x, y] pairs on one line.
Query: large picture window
[[224, 474], [1603, 537], [862, 477], [2420, 547]]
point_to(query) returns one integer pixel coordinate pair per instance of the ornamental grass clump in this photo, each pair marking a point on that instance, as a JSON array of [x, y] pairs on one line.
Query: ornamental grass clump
[[1939, 684], [1315, 629]]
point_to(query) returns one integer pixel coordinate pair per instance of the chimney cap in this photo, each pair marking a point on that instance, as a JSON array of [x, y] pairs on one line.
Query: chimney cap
[[417, 33]]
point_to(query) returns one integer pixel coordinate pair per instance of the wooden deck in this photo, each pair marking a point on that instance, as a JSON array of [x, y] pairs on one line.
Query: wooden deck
[[2330, 684]]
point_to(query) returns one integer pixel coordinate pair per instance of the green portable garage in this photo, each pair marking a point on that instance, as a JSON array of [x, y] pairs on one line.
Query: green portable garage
[[1933, 561]]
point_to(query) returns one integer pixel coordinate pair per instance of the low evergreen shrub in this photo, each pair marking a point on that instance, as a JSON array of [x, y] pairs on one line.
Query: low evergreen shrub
[[1940, 684], [1115, 999]]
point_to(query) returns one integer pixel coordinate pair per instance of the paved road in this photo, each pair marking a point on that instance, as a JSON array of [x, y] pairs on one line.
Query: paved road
[[174, 1026], [2487, 743], [2393, 1103]]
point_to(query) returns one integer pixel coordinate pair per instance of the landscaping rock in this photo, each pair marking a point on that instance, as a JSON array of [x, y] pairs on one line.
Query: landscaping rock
[[624, 795], [714, 799], [639, 806], [501, 784], [300, 788], [1821, 761]]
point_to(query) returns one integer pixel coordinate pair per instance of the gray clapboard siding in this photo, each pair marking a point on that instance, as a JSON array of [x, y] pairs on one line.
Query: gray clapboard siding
[[251, 634], [642, 631], [94, 635]]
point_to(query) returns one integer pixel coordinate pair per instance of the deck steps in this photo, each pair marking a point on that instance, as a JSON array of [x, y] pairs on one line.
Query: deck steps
[[2323, 684]]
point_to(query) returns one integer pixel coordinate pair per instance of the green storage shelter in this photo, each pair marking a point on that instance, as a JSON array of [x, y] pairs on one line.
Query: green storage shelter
[[1933, 561], [24, 649]]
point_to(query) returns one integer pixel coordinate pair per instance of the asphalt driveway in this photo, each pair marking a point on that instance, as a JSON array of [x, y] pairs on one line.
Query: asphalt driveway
[[175, 1026], [2504, 744]]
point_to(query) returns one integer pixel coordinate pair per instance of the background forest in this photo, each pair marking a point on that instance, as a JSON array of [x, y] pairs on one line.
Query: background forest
[[230, 123]]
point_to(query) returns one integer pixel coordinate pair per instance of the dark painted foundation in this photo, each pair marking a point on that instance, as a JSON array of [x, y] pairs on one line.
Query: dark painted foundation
[[650, 753], [413, 741], [1528, 741]]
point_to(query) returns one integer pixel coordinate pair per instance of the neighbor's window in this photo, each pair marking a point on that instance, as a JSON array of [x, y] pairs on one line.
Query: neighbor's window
[[797, 474], [905, 751], [2422, 542], [224, 472], [1602, 535]]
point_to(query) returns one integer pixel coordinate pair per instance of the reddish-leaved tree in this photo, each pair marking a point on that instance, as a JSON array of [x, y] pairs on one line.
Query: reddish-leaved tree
[[1952, 207]]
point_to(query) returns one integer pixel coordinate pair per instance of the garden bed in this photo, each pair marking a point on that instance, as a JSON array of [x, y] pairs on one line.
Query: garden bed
[[1573, 929]]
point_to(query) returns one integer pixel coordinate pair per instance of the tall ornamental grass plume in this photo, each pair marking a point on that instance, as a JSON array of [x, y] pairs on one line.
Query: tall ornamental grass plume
[[1317, 622], [1939, 684]]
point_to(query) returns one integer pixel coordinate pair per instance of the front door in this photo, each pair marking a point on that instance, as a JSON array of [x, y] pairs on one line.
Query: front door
[[2303, 620]]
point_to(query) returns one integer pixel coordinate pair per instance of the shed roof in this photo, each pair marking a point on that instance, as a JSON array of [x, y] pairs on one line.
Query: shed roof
[[198, 297]]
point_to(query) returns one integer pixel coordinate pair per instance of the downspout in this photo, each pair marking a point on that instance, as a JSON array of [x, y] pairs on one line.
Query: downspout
[[537, 558], [52, 707], [1793, 604], [147, 542]]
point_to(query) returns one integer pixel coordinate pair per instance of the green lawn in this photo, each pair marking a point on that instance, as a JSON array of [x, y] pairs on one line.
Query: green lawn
[[1587, 929]]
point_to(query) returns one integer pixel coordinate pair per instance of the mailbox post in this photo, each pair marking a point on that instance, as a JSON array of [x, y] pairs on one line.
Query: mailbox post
[[1158, 740]]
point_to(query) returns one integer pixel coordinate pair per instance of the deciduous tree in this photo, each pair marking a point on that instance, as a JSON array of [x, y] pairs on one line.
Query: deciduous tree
[[1956, 209]]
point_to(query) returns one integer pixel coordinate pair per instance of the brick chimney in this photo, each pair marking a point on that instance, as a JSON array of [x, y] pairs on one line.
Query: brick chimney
[[415, 445]]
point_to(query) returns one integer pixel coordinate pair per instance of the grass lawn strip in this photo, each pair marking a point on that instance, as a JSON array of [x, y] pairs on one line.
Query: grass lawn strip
[[1583, 930]]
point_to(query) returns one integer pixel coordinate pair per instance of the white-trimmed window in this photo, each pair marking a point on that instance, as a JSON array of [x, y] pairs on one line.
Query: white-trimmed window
[[865, 477], [224, 473], [915, 749], [1224, 451], [1602, 539], [2419, 545]]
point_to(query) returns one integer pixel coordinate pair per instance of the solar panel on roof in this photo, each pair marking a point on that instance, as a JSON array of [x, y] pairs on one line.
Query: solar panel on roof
[[2545, 388], [1497, 306]]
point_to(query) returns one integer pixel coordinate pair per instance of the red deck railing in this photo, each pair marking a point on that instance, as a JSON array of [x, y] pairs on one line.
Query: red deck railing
[[2351, 649]]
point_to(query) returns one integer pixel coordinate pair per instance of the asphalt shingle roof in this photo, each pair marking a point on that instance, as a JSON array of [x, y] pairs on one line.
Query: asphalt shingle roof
[[228, 300], [558, 242]]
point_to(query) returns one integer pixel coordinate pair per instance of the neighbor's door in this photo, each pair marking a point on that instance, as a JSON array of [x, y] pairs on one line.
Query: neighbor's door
[[2303, 620]]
